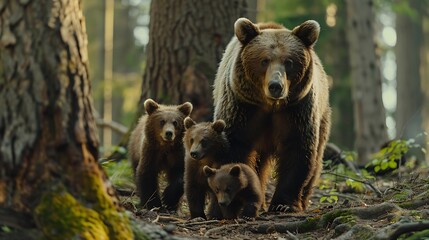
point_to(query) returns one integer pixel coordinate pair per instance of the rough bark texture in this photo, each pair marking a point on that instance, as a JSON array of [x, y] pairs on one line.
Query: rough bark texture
[[186, 42], [370, 119], [49, 176], [409, 90]]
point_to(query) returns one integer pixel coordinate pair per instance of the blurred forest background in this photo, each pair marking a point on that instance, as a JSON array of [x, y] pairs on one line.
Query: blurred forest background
[[118, 36]]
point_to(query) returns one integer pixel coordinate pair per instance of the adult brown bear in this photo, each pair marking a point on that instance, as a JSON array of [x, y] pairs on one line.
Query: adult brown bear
[[272, 92]]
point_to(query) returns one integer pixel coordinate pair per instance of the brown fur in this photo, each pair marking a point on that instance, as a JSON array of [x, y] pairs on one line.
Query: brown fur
[[272, 92], [156, 146], [236, 191], [205, 144]]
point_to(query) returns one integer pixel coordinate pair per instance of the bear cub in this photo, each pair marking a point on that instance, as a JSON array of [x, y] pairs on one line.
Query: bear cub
[[205, 144], [236, 189], [156, 146]]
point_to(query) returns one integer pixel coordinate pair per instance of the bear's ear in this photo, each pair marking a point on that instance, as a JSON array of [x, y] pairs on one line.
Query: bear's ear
[[245, 30], [235, 171], [308, 32], [188, 122], [185, 108], [209, 171], [150, 106], [219, 125]]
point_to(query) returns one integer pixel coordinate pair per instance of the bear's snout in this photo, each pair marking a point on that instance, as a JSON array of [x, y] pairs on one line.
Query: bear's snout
[[194, 155], [169, 135], [275, 87], [224, 201]]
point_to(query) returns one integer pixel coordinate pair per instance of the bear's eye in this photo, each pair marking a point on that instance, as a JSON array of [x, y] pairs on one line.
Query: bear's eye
[[217, 190], [227, 190], [175, 123], [192, 141], [162, 122], [203, 143], [288, 64], [265, 62]]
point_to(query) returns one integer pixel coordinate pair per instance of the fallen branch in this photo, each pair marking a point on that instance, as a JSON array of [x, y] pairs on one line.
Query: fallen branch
[[189, 224], [374, 189], [217, 229], [115, 126]]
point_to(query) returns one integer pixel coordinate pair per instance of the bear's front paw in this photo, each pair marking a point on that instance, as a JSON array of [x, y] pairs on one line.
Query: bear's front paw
[[279, 208], [248, 218]]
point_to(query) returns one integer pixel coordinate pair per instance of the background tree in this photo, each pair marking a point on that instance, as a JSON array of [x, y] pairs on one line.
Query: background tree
[[408, 54], [412, 73], [186, 42], [49, 177], [369, 112]]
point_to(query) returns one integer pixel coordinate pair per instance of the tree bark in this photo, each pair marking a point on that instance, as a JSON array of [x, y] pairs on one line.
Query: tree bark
[[408, 54], [49, 176], [369, 112], [186, 42], [425, 81]]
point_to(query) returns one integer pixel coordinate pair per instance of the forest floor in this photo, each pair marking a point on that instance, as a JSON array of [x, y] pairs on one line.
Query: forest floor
[[392, 206]]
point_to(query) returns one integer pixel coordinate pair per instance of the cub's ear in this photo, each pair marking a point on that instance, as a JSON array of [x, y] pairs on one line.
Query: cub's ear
[[245, 30], [150, 106], [185, 108], [188, 122], [235, 171], [308, 32], [219, 125], [209, 171]]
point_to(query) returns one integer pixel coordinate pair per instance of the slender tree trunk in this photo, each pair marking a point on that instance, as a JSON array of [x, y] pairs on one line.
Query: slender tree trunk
[[369, 112], [49, 176], [409, 92], [186, 42], [425, 82]]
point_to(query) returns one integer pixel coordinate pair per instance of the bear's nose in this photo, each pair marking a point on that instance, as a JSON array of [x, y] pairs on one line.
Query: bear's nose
[[194, 154], [275, 88], [169, 135], [223, 204]]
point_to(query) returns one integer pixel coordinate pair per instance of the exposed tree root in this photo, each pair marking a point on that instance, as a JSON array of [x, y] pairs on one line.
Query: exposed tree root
[[314, 223]]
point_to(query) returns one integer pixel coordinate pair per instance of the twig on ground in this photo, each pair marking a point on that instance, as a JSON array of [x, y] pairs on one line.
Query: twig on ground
[[374, 189], [217, 229], [186, 224]]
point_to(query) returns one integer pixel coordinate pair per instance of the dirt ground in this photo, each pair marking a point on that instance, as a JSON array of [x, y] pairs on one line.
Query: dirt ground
[[391, 207]]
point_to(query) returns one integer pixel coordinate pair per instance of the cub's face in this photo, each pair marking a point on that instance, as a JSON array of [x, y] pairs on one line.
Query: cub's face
[[224, 182], [166, 122], [204, 138], [274, 58], [168, 125]]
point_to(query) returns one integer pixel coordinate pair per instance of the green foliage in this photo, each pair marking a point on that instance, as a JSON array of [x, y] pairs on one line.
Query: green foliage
[[120, 173], [331, 197], [5, 229], [390, 156]]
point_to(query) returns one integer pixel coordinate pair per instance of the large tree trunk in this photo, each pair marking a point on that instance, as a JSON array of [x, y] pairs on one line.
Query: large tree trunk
[[49, 176], [186, 42], [409, 52], [370, 119]]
